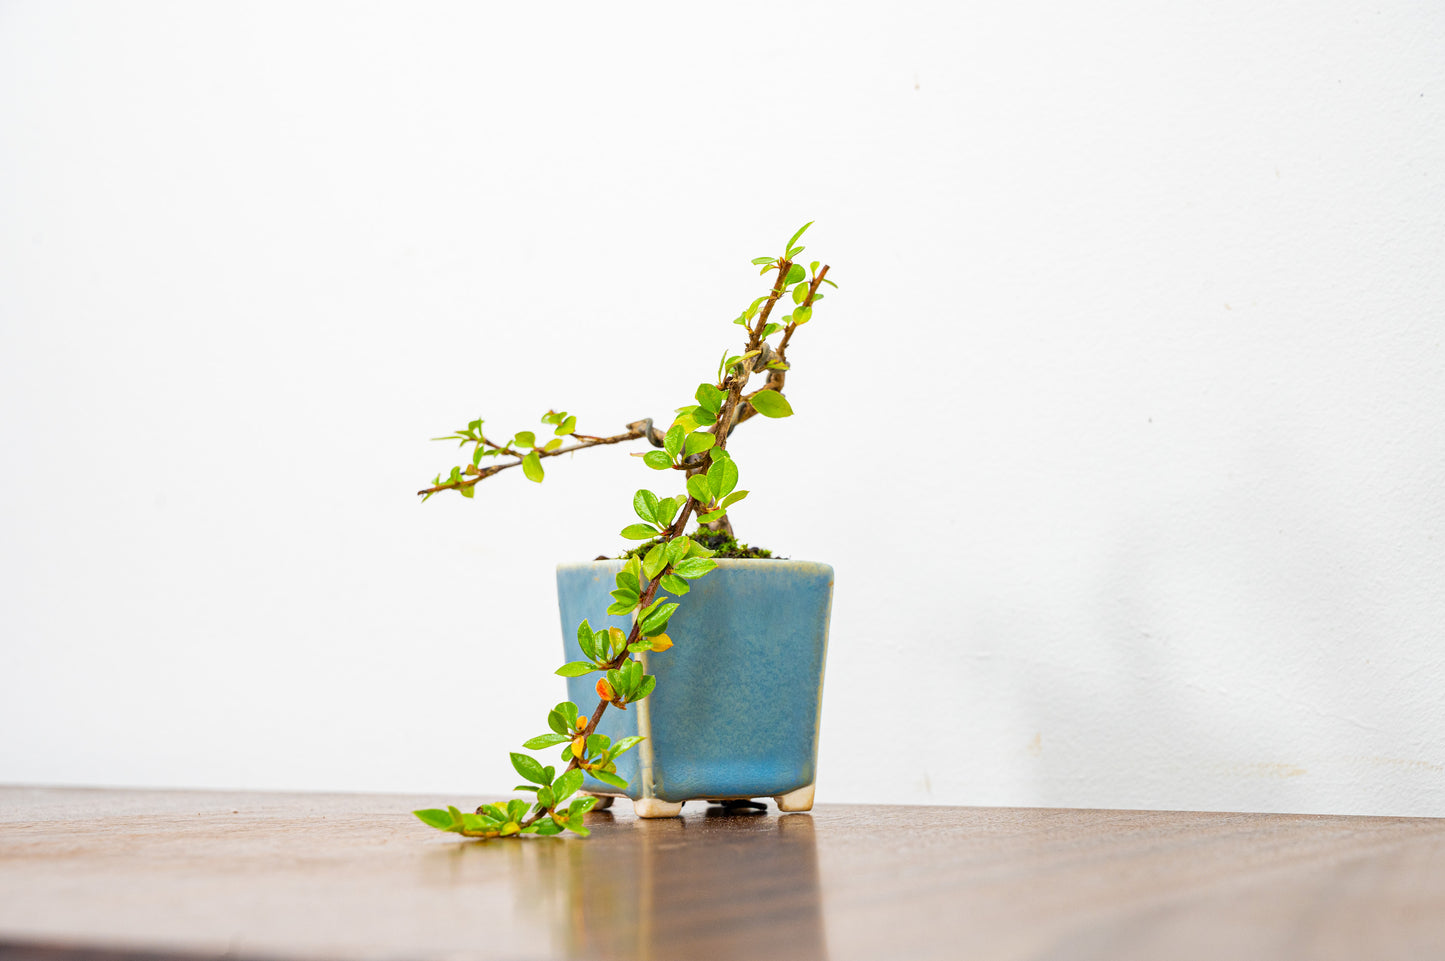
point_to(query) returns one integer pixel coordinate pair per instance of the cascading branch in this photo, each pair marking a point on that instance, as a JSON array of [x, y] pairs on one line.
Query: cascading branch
[[695, 444]]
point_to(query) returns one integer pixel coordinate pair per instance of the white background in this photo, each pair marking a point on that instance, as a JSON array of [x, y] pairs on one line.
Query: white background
[[1125, 433]]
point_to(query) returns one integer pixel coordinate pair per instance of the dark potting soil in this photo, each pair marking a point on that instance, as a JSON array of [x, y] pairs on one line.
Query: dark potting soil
[[723, 544]]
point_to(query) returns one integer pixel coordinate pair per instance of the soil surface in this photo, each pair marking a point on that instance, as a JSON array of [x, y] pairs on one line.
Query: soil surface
[[721, 543]]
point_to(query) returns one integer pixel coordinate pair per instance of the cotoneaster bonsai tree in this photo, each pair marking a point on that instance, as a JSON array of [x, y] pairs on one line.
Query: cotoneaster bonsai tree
[[692, 453]]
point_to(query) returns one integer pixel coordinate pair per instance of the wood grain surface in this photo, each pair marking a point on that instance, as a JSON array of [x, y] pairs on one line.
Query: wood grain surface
[[105, 875]]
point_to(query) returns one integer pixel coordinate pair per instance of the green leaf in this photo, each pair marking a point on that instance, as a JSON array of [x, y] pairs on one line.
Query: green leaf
[[770, 403], [733, 498], [657, 460], [655, 562], [576, 668], [644, 502], [467, 491], [581, 806], [607, 778], [524, 787], [697, 442], [623, 597], [802, 315], [794, 251], [709, 397], [567, 785], [552, 444], [627, 581], [435, 817], [722, 476], [656, 622], [645, 688], [588, 645], [794, 239], [625, 745], [546, 828], [558, 723], [532, 467], [697, 486], [566, 427], [694, 567], [710, 516], [674, 584], [677, 548], [760, 261], [621, 607], [795, 274], [529, 768], [800, 294], [672, 440], [524, 438], [545, 740], [667, 510], [639, 532], [517, 809]]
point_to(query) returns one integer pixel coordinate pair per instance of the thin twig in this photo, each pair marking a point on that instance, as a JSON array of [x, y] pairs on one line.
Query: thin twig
[[484, 472]]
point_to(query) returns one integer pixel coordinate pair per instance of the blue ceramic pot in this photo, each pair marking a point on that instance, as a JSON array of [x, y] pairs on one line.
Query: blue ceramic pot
[[738, 699]]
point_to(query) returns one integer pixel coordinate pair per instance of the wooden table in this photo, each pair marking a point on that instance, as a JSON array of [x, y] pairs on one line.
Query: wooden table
[[106, 874]]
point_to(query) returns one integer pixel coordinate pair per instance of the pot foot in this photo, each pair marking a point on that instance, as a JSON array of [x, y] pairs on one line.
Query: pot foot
[[604, 801], [799, 800], [651, 807]]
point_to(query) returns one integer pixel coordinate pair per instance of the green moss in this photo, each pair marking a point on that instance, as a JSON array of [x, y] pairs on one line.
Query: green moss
[[721, 543]]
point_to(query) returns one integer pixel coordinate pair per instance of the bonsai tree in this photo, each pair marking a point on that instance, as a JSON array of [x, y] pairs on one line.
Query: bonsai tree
[[692, 452]]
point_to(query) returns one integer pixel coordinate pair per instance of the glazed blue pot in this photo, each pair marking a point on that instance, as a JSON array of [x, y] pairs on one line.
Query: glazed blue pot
[[738, 699]]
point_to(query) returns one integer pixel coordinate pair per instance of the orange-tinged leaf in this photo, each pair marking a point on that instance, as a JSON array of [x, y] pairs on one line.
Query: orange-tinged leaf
[[661, 642], [604, 690], [579, 744]]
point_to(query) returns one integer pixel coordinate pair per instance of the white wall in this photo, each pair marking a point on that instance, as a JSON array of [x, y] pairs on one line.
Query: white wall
[[1143, 503]]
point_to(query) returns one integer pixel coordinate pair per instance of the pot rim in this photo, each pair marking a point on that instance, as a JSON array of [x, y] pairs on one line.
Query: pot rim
[[779, 563]]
